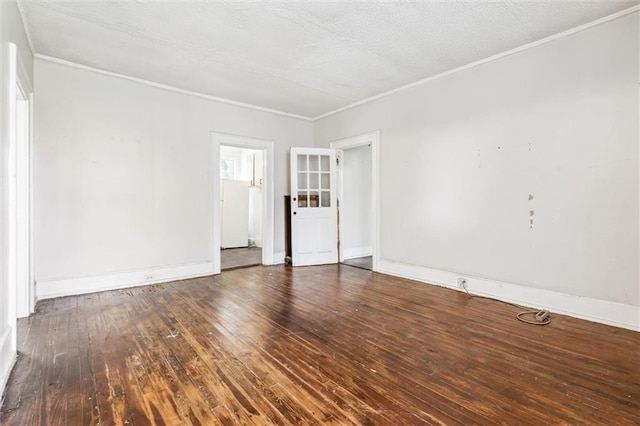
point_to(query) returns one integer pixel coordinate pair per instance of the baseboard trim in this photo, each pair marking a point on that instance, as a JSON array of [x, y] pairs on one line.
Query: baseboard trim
[[75, 286], [8, 357], [355, 252], [278, 258], [596, 310]]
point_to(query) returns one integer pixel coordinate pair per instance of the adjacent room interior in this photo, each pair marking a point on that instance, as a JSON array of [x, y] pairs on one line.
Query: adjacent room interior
[[382, 213], [356, 193], [241, 178]]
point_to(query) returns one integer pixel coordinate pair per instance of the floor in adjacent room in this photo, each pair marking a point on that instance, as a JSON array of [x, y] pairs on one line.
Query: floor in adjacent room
[[240, 257], [313, 345], [360, 262]]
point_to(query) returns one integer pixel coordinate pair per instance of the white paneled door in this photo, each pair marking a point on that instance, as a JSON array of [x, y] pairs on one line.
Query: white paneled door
[[314, 210]]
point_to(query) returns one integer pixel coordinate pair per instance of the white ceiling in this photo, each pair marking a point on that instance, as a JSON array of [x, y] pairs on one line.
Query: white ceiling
[[306, 58]]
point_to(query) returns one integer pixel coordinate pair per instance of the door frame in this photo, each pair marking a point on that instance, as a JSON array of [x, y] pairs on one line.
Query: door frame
[[19, 195], [14, 300], [25, 292], [268, 224], [340, 145]]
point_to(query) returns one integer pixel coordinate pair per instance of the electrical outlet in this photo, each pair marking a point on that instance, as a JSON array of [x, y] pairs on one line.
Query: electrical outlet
[[462, 282]]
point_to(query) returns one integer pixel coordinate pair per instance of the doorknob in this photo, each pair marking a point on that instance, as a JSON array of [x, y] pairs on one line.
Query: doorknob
[[295, 212], [294, 199]]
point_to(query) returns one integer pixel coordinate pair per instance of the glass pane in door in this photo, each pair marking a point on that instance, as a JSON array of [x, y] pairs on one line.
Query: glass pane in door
[[313, 163], [325, 199], [302, 199], [302, 162], [314, 181], [324, 163], [326, 181], [314, 199], [302, 181]]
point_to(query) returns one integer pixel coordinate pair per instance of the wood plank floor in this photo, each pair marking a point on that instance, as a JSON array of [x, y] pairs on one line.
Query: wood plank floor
[[360, 262], [318, 345], [240, 257]]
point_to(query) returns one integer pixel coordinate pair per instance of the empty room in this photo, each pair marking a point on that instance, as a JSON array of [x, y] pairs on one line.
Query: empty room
[[292, 212]]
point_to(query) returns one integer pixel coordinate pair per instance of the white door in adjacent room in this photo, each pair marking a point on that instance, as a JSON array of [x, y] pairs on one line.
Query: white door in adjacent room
[[314, 212]]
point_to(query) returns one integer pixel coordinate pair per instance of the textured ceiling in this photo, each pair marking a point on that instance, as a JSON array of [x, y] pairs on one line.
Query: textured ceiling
[[306, 58]]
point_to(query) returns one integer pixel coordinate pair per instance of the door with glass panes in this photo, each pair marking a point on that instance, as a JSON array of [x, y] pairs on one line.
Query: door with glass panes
[[314, 213]]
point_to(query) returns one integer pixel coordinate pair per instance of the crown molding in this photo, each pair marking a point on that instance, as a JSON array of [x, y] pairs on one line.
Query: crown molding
[[169, 88], [484, 61]]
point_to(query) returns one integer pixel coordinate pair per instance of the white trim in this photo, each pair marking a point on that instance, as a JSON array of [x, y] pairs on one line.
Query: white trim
[[169, 88], [75, 286], [355, 252], [484, 61], [372, 138], [32, 263], [26, 85], [602, 311], [8, 338], [21, 145], [9, 264], [278, 258], [268, 221], [9, 357]]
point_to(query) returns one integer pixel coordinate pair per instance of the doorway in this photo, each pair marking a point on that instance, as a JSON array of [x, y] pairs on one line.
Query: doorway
[[242, 198], [241, 192], [18, 162], [16, 283], [358, 200], [356, 206], [20, 204]]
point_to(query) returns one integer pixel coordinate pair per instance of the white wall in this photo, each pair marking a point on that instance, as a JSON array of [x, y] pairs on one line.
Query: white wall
[[11, 31], [355, 204], [123, 172], [547, 135]]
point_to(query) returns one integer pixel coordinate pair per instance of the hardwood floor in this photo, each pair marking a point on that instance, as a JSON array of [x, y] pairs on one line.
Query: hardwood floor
[[315, 345], [360, 262], [240, 257]]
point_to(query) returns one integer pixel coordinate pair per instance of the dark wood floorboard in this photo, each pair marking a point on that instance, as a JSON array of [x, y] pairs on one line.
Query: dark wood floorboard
[[315, 345], [240, 258]]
